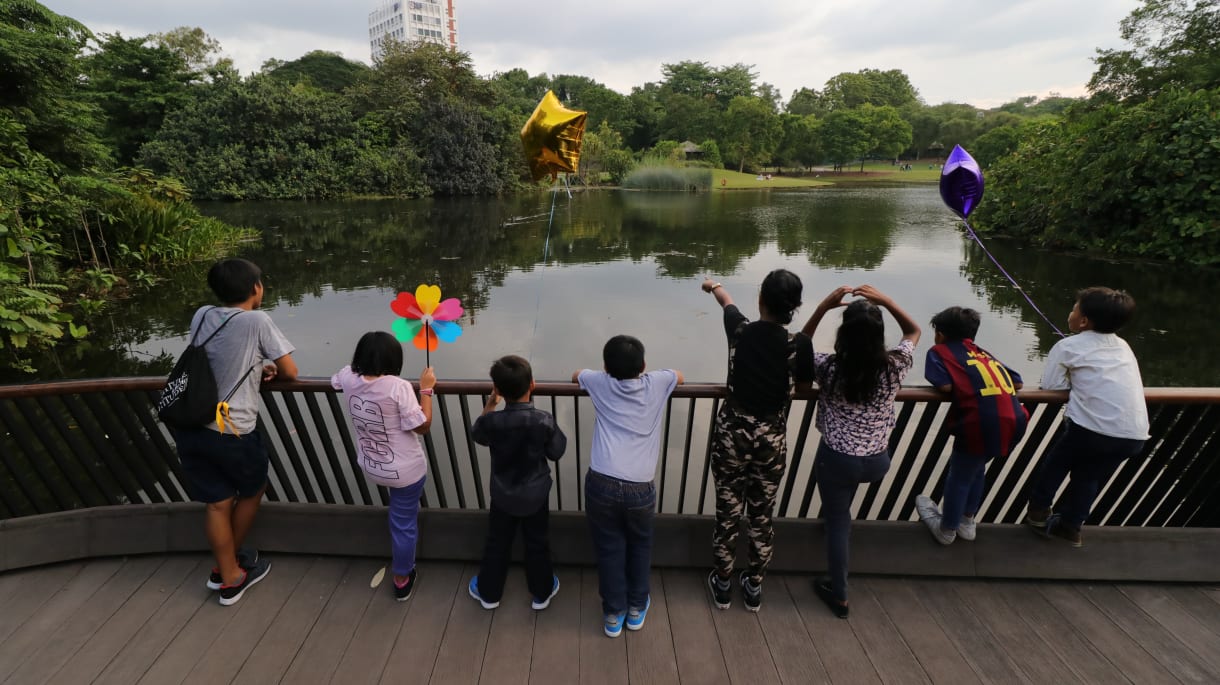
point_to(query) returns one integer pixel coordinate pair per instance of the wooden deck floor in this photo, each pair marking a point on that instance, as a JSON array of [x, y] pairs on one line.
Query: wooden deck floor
[[317, 620]]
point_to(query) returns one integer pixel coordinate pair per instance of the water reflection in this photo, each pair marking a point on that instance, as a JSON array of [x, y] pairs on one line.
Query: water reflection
[[631, 262]]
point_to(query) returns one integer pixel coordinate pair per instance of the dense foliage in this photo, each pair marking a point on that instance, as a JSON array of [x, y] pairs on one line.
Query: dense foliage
[[1136, 170], [70, 220]]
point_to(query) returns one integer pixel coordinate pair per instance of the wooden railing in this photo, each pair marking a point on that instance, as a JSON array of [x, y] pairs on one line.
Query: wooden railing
[[76, 444]]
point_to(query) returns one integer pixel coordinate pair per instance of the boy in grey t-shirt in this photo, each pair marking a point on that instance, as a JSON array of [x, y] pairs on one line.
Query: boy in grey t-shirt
[[226, 466]]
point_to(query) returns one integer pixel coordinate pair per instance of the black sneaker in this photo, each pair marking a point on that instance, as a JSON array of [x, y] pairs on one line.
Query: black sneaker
[[720, 589], [403, 593], [246, 558], [751, 594], [230, 594], [825, 593]]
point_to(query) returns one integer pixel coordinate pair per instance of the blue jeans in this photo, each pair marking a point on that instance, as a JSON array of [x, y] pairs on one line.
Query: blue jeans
[[1091, 458], [839, 476], [964, 485], [404, 526], [620, 515]]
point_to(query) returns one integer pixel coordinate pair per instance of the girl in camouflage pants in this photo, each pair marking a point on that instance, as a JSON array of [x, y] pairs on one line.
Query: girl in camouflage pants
[[749, 451]]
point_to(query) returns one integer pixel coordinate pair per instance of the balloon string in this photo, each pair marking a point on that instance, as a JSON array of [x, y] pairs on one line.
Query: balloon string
[[546, 249], [1021, 290]]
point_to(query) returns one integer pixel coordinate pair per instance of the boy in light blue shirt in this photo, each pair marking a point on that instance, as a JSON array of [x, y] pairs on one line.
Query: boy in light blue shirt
[[620, 495]]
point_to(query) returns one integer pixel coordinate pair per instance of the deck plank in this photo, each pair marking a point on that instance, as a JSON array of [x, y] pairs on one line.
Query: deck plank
[[1016, 637], [650, 650], [556, 654], [881, 639], [150, 619], [1044, 619], [54, 650], [374, 638], [1165, 611], [465, 638], [160, 630], [510, 644], [327, 638], [413, 655], [1177, 658], [29, 590], [60, 607], [937, 654], [1127, 655], [258, 608], [91, 659], [975, 642], [787, 640], [743, 644], [1195, 601], [602, 659], [833, 638], [696, 645], [282, 640]]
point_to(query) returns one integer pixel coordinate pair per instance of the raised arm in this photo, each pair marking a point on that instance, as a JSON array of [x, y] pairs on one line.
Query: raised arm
[[831, 301], [718, 291], [427, 381], [910, 329]]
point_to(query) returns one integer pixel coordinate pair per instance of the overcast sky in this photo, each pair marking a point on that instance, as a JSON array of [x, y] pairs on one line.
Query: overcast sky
[[984, 52]]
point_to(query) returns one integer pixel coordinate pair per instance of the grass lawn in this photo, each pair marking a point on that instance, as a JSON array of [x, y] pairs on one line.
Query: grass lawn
[[873, 172], [884, 171], [731, 180]]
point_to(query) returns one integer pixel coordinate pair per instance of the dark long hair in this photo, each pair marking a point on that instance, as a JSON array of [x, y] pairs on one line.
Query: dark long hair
[[781, 293], [860, 353]]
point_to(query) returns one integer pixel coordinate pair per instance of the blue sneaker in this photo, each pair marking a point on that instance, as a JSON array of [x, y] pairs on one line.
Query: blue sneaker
[[540, 604], [635, 617], [614, 624], [474, 592]]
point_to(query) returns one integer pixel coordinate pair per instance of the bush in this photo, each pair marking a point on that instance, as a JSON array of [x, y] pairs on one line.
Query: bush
[[1135, 180], [665, 177]]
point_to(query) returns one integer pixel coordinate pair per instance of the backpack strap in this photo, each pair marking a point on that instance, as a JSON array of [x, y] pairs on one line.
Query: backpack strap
[[213, 334]]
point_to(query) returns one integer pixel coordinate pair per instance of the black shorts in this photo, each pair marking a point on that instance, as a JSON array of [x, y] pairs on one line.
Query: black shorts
[[218, 466]]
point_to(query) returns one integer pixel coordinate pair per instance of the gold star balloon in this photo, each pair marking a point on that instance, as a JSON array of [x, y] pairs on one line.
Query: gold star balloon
[[552, 138]]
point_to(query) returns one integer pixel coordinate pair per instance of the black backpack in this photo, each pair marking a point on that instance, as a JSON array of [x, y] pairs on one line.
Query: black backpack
[[189, 397]]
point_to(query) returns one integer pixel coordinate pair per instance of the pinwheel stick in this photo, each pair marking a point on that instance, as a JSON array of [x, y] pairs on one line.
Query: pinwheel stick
[[427, 346]]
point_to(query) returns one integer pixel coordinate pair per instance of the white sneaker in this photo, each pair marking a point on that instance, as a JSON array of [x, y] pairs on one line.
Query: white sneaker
[[967, 529], [929, 513]]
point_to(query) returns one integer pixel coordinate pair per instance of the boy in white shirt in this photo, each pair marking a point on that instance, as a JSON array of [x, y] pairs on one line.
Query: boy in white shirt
[[1106, 420], [620, 495]]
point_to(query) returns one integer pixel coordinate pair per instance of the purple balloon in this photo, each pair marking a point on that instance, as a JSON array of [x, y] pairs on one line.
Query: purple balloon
[[961, 182]]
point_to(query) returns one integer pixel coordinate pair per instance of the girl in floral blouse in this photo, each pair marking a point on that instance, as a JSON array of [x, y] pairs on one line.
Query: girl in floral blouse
[[857, 384]]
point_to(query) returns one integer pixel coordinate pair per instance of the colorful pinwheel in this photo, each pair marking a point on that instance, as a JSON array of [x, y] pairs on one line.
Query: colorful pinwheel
[[426, 319]]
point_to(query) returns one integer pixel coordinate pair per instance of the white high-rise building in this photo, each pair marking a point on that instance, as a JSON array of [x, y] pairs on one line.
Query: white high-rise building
[[407, 21]]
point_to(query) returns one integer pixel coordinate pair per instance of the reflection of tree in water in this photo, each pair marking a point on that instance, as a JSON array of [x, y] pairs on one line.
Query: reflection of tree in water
[[1172, 329], [842, 230]]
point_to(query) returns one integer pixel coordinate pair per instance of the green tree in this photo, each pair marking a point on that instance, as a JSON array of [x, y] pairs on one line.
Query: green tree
[[200, 51], [800, 144], [39, 85], [752, 131], [804, 102], [889, 134], [843, 136], [328, 71], [849, 90], [135, 85], [1173, 43]]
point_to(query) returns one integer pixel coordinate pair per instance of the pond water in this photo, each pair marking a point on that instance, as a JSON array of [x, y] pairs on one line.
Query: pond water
[[624, 262]]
